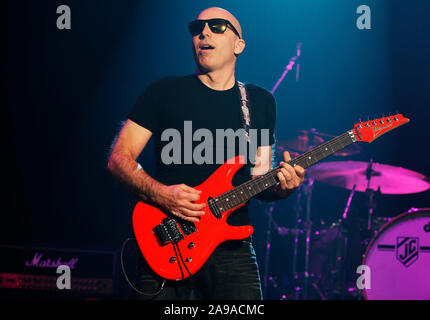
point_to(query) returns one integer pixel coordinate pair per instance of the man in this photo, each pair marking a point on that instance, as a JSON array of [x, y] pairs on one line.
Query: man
[[209, 99]]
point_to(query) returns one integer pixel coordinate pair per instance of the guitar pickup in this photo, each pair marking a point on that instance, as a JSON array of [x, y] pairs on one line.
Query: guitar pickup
[[168, 231], [187, 227]]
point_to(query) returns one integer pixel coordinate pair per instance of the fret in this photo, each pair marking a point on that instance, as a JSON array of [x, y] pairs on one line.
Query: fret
[[274, 178], [246, 192], [235, 201], [266, 181], [219, 204], [256, 182], [261, 184], [241, 195], [318, 155], [228, 204], [250, 190], [238, 196]]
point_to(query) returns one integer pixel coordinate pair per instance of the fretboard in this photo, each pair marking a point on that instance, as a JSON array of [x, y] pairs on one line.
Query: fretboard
[[249, 189]]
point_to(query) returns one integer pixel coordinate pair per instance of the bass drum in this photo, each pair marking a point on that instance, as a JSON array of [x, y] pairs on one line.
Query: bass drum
[[399, 259]]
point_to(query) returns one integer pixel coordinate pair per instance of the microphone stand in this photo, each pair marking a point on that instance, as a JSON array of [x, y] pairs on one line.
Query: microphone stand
[[289, 67], [270, 221], [308, 228], [345, 227]]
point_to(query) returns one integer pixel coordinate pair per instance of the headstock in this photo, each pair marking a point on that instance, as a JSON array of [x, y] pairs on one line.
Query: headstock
[[372, 129]]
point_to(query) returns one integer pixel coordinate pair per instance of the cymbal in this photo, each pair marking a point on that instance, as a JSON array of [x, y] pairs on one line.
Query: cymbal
[[390, 179], [308, 139]]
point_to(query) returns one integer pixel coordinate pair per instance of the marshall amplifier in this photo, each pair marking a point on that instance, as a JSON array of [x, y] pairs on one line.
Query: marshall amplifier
[[34, 270]]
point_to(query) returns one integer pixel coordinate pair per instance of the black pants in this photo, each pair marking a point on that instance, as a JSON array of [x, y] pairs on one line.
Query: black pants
[[231, 273]]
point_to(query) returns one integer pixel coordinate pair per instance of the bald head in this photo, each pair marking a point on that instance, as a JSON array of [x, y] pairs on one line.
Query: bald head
[[217, 51], [215, 12]]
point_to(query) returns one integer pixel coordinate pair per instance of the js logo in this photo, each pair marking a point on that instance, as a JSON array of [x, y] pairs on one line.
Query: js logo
[[407, 250]]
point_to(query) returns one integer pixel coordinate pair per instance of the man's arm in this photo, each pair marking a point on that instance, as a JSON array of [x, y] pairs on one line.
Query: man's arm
[[178, 199], [289, 178]]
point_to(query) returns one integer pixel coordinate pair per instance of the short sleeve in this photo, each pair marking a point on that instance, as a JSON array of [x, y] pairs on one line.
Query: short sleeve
[[146, 111], [263, 105], [271, 118]]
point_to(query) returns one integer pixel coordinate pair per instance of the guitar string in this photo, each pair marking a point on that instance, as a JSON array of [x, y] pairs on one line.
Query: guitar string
[[330, 143], [315, 152], [301, 157], [243, 189]]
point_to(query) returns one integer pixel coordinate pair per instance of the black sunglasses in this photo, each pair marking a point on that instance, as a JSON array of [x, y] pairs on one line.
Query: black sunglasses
[[216, 25]]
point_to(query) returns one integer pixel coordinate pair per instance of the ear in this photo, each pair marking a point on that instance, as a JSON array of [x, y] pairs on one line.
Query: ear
[[239, 46]]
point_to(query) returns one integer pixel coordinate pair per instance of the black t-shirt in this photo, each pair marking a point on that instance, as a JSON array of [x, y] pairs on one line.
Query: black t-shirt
[[175, 108]]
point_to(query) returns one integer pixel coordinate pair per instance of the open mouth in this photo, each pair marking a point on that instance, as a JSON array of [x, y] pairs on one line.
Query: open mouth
[[206, 47]]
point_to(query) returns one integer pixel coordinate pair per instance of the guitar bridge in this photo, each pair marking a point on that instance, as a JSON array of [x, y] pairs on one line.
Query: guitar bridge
[[168, 231], [187, 227]]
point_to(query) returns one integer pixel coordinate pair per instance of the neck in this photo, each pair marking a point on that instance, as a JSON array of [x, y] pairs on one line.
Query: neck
[[250, 188], [217, 80]]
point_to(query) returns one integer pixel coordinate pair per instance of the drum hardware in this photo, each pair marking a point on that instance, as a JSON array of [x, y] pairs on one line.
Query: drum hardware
[[289, 67], [372, 179], [344, 252], [307, 191], [303, 142], [282, 231], [384, 178], [269, 211], [370, 194]]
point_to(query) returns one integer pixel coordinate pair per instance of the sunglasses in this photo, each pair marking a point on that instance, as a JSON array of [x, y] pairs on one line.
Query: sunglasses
[[216, 25]]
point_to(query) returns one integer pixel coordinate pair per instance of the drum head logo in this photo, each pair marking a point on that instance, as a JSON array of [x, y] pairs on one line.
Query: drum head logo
[[407, 250]]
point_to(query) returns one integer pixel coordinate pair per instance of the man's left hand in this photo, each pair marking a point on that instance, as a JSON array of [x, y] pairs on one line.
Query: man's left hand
[[289, 177]]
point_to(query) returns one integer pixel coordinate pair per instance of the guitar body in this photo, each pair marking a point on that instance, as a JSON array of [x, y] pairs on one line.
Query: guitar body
[[197, 247]]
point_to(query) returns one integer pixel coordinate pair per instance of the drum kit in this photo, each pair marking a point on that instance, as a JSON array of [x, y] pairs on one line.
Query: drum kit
[[325, 259]]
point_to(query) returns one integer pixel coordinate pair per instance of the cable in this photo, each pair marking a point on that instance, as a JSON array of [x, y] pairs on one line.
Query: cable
[[176, 254], [128, 281], [180, 255]]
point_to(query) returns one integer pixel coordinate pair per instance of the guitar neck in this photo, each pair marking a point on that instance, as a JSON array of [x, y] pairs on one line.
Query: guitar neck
[[249, 189]]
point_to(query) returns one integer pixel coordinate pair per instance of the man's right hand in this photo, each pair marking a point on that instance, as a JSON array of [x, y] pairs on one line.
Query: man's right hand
[[178, 199]]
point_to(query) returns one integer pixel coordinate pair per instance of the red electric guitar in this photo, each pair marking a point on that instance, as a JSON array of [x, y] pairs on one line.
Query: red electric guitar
[[176, 249]]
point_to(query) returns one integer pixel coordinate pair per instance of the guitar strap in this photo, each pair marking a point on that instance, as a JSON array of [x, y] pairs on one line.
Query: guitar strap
[[246, 119]]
